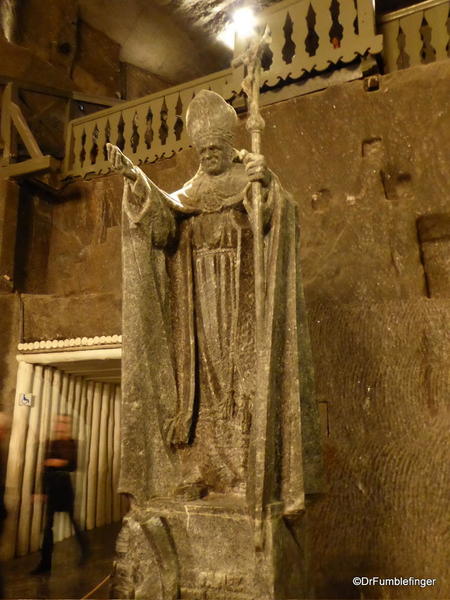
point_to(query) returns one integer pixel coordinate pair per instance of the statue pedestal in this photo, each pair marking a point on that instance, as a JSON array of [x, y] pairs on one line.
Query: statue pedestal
[[204, 550]]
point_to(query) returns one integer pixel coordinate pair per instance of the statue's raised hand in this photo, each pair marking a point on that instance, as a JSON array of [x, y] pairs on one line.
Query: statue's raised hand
[[120, 162]]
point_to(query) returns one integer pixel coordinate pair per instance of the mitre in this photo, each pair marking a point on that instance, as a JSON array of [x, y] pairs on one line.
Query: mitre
[[209, 116]]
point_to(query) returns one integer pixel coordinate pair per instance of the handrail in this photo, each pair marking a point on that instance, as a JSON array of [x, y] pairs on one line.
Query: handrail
[[194, 83], [409, 10]]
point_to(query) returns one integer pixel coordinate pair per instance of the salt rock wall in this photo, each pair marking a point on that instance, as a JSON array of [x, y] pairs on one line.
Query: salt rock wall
[[68, 260], [9, 338], [367, 168]]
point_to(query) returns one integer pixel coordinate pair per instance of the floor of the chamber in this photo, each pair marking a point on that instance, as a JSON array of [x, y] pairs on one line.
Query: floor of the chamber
[[66, 580]]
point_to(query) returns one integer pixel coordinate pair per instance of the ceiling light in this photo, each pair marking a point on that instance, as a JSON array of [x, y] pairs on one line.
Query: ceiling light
[[244, 22], [226, 36], [242, 25]]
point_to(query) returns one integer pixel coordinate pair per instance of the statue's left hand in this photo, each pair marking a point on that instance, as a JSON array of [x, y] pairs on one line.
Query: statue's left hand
[[256, 168]]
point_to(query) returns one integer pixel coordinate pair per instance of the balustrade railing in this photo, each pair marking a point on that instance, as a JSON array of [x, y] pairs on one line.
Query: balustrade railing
[[146, 129], [308, 36], [416, 35]]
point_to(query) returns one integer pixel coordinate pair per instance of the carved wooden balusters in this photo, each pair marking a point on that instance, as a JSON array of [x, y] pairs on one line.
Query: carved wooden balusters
[[146, 132], [437, 19], [416, 35], [312, 35]]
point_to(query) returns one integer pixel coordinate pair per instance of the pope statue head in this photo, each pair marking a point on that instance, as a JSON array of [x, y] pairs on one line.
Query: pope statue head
[[210, 124]]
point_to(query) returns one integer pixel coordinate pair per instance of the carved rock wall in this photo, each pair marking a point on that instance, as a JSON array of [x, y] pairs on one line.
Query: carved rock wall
[[75, 55], [368, 165], [382, 380], [53, 32], [50, 30], [68, 264], [364, 167], [139, 82], [96, 69], [9, 336]]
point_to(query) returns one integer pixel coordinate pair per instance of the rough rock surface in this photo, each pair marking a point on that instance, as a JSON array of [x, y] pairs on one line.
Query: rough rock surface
[[139, 82], [96, 70], [50, 31]]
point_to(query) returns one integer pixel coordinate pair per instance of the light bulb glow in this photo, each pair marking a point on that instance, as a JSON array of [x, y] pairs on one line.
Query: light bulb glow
[[226, 36], [243, 25], [244, 22]]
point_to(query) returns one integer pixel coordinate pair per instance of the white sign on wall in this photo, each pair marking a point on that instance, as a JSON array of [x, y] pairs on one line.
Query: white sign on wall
[[26, 399]]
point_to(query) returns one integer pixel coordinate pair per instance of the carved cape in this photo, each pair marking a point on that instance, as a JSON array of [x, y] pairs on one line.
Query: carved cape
[[159, 375]]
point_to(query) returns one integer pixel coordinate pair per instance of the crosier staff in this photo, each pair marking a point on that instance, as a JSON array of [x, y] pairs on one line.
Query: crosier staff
[[259, 495]]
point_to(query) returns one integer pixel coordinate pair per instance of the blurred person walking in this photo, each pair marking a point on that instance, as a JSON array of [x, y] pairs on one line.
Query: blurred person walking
[[60, 460]]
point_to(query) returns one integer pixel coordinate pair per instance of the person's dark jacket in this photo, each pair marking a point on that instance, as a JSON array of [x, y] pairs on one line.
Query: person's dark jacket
[[57, 484]]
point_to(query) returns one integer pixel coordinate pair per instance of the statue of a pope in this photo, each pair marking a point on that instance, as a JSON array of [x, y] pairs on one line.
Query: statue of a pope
[[188, 326]]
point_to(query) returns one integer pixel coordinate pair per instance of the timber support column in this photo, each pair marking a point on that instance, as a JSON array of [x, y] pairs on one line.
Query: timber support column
[[16, 460], [9, 205]]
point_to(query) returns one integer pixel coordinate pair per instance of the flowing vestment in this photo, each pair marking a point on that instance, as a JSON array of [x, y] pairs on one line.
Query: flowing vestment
[[188, 341]]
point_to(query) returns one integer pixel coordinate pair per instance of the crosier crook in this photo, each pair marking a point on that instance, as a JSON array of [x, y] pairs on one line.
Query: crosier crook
[[259, 495]]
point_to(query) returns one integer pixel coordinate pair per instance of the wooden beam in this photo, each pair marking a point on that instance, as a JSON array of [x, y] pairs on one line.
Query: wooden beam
[[24, 131], [48, 358], [59, 93], [30, 166], [9, 206], [6, 129]]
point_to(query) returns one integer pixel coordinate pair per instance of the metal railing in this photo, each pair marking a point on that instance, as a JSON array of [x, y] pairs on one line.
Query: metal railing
[[308, 36], [416, 35]]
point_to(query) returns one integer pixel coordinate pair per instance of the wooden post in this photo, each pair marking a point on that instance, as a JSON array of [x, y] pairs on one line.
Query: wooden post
[[38, 506], [92, 473], [116, 455], [102, 466], [7, 133], [60, 518], [90, 386], [16, 460], [66, 524], [81, 466], [23, 534], [9, 206], [109, 492], [76, 432]]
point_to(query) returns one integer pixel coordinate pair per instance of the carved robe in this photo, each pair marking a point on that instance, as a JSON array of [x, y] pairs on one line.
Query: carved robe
[[188, 341]]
